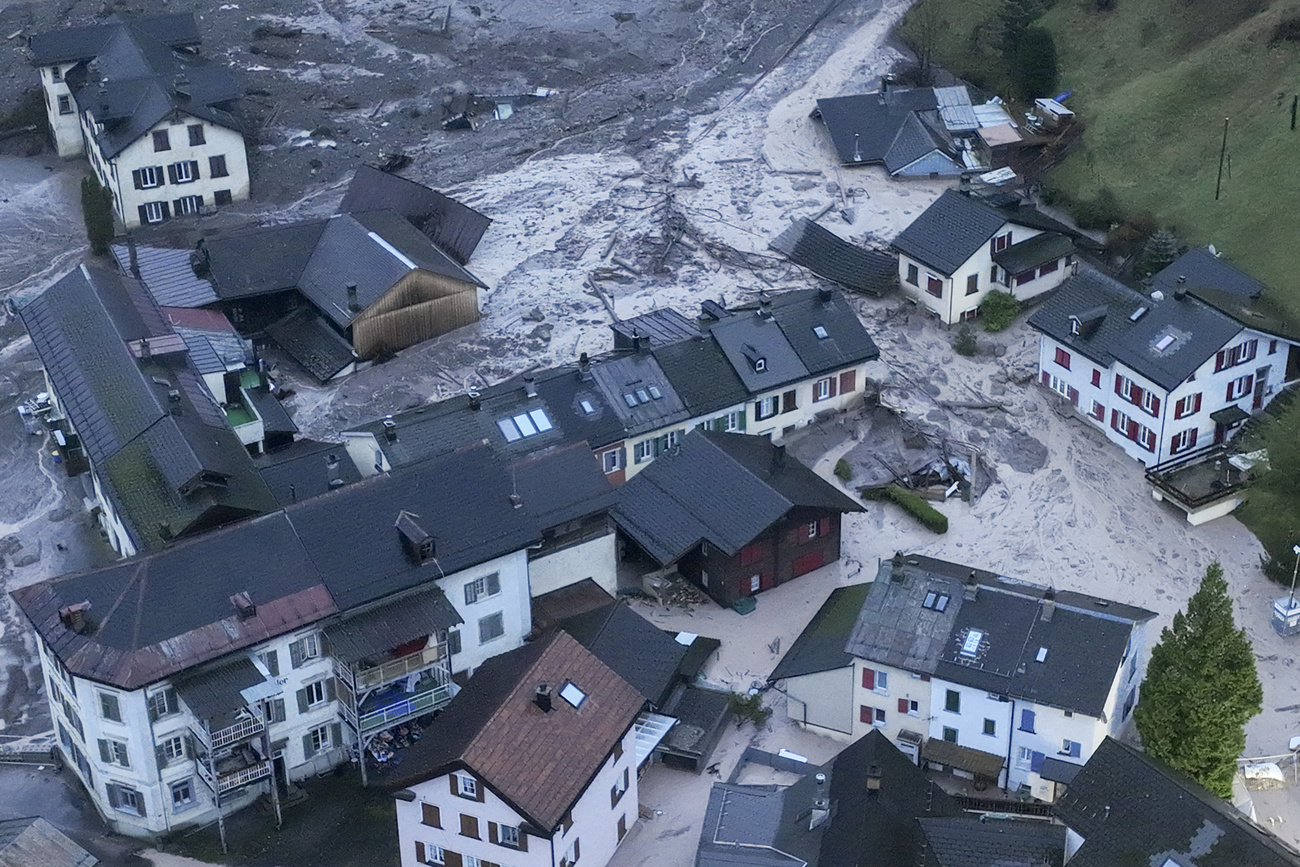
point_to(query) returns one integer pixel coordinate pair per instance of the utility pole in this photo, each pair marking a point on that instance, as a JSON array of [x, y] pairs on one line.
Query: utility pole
[[1222, 153]]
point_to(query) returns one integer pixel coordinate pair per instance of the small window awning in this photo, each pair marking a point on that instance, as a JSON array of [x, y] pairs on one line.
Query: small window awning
[[378, 631], [977, 762], [217, 696], [651, 728], [1058, 771], [1229, 416]]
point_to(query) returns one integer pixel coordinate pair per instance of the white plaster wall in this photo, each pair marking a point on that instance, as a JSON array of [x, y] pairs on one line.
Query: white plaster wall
[[955, 301], [902, 684], [976, 706], [823, 700], [65, 127], [596, 559], [514, 602], [218, 141]]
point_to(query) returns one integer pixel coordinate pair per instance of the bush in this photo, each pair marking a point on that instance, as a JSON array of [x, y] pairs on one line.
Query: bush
[[749, 708], [965, 342], [843, 470], [1100, 212], [998, 310], [97, 209], [1033, 66], [914, 504]]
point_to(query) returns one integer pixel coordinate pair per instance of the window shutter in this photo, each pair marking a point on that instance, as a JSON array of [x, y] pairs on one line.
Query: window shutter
[[868, 678], [112, 794], [1219, 358], [742, 419], [493, 584], [1074, 396], [577, 850], [848, 381], [178, 205], [480, 791], [492, 832], [824, 527], [1173, 443], [144, 214], [523, 841], [1135, 395], [160, 755], [832, 384], [153, 709], [1076, 749], [1132, 430], [171, 172], [471, 593], [430, 815], [104, 755], [135, 179], [1047, 378], [273, 662], [1197, 403], [453, 641], [419, 852], [166, 211], [468, 826], [451, 780], [194, 169], [331, 689], [296, 653], [1155, 406], [336, 735], [453, 859], [307, 751], [1119, 385], [1027, 720], [302, 700], [277, 710], [1036, 761], [1096, 378], [1192, 442], [1228, 394], [902, 705]]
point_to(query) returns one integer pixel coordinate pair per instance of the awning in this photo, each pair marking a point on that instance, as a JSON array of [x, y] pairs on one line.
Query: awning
[[1038, 250], [977, 762], [699, 649], [1059, 771], [379, 630], [651, 728], [1229, 416], [217, 695]]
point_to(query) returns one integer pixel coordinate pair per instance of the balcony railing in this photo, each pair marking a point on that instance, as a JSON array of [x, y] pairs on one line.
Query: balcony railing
[[401, 709], [240, 731], [370, 678], [231, 780]]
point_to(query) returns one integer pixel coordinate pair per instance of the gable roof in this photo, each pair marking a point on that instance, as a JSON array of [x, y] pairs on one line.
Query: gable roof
[[803, 316], [820, 647], [305, 469], [949, 232], [24, 842], [259, 260], [1198, 268], [1130, 808], [701, 374], [722, 488], [864, 127], [988, 841], [167, 273], [871, 272], [495, 731], [1113, 334], [641, 653], [455, 228], [176, 30], [1081, 639]]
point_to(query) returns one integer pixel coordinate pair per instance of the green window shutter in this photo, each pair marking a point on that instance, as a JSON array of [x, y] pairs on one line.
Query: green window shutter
[[493, 584], [307, 751], [295, 654], [302, 700], [742, 419], [112, 794], [336, 735]]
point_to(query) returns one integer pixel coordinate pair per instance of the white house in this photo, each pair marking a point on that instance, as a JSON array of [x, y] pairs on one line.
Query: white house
[[1169, 373], [964, 246], [966, 670], [483, 786], [153, 118], [272, 648]]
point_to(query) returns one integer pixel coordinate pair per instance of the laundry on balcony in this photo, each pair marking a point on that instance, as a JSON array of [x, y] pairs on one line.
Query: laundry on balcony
[[377, 632]]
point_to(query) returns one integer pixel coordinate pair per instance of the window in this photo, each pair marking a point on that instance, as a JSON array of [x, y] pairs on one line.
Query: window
[[1124, 387], [821, 332], [56, 73], [612, 460], [765, 408], [526, 424], [1073, 749], [732, 422], [275, 711], [1001, 242], [471, 861], [1151, 403], [619, 788], [971, 643], [65, 104], [950, 735], [217, 167], [571, 693], [935, 601], [320, 738], [113, 752], [304, 650], [1183, 441], [972, 284], [147, 177], [1027, 276], [990, 728], [221, 197], [161, 141], [126, 799], [1060, 386], [508, 835], [1239, 354], [822, 389], [911, 707], [109, 707], [482, 588], [1189, 405], [788, 403], [466, 786], [183, 172], [934, 286], [1098, 411], [183, 793], [755, 583], [872, 716], [172, 749], [1062, 358], [913, 276], [993, 274], [952, 701], [875, 680], [1027, 720], [427, 853], [1049, 267], [153, 212], [188, 205], [491, 628], [196, 134], [643, 451], [570, 856], [270, 660], [1241, 386], [315, 693], [1024, 757]]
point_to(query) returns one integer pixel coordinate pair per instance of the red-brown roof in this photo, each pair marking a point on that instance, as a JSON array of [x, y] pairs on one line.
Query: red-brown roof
[[538, 762]]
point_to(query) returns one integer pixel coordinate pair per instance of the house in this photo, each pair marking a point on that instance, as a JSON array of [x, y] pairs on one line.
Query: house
[[32, 840], [870, 806], [1166, 374], [155, 120], [534, 763], [183, 684], [921, 132], [134, 404], [988, 676], [859, 269], [735, 514], [1124, 807], [964, 246]]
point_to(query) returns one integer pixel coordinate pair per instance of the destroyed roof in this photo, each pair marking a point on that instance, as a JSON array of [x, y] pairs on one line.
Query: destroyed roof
[[919, 150], [871, 272], [494, 730], [312, 342], [949, 232], [1131, 809], [158, 615], [167, 273], [863, 128], [177, 30], [641, 653], [1128, 327], [305, 469], [918, 617], [722, 488], [454, 227], [659, 327], [33, 841], [820, 647]]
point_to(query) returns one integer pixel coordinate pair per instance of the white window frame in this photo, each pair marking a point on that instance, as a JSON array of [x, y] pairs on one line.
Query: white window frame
[[184, 172], [153, 212], [612, 460], [1060, 386], [881, 682], [434, 855], [150, 177], [316, 694], [1126, 388], [768, 407], [1182, 441], [125, 793], [310, 646], [188, 205], [1066, 743], [1241, 386], [179, 803], [56, 73], [120, 755], [732, 422], [1149, 401], [174, 747], [476, 589], [822, 389], [466, 786], [1025, 757], [913, 707], [643, 451], [320, 739], [810, 530], [508, 835]]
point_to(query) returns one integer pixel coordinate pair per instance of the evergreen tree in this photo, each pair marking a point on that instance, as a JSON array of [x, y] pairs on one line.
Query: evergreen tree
[[1160, 251], [1034, 63], [97, 208], [1200, 690]]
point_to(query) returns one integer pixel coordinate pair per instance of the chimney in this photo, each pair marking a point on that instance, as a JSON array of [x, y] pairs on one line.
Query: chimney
[[821, 807], [165, 531], [353, 304], [530, 386], [76, 617], [778, 457], [332, 462], [824, 295], [584, 368], [390, 429], [765, 307], [542, 697], [243, 605], [885, 82], [972, 590], [475, 403], [1049, 605], [145, 351], [1180, 290], [516, 501], [873, 778]]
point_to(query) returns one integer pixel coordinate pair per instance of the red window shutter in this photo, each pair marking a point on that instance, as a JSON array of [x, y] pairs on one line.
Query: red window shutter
[[902, 705], [1074, 396], [1228, 394], [1096, 378], [1155, 406], [848, 381], [1119, 385], [1219, 358], [1192, 442], [824, 527], [1196, 406], [1135, 396], [1173, 444], [868, 678], [865, 715], [1114, 419], [1132, 430], [1250, 383], [832, 385], [1047, 378]]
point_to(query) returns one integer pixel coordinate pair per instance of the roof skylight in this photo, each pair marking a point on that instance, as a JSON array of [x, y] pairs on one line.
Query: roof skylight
[[573, 695], [1163, 343], [526, 424], [1138, 313], [971, 642], [655, 393], [629, 399], [820, 332], [587, 407], [1042, 654]]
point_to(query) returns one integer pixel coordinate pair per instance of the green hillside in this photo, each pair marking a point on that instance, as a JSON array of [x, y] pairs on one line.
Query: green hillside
[[1153, 81]]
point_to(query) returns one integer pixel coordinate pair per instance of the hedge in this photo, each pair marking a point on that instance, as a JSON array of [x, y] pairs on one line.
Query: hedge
[[914, 504]]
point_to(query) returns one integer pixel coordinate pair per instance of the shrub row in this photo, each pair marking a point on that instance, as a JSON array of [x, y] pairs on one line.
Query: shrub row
[[914, 504]]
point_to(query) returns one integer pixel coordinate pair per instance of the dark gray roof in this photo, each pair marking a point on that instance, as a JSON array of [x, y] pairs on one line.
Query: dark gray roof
[[312, 342], [454, 227], [214, 694], [419, 248], [629, 383], [1131, 809], [949, 232], [979, 841], [871, 272], [275, 418], [346, 254], [747, 338], [1059, 770], [1084, 638], [1038, 250], [177, 30], [659, 327], [919, 148], [34, 841], [638, 651], [1198, 329], [804, 316], [305, 469], [373, 633], [262, 260], [561, 484], [863, 128], [701, 375], [820, 647], [1198, 268], [168, 275], [717, 487]]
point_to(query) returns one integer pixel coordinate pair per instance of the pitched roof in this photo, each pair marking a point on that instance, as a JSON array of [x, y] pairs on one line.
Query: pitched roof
[[864, 127], [701, 375], [305, 469], [983, 841], [1038, 250], [260, 260], [1198, 268], [805, 316], [820, 647], [167, 273], [758, 350], [454, 227], [310, 340], [1115, 330], [1065, 655], [24, 842], [641, 653], [659, 327], [871, 272], [638, 391], [1131, 809], [561, 484], [177, 30], [949, 232], [538, 762], [722, 488]]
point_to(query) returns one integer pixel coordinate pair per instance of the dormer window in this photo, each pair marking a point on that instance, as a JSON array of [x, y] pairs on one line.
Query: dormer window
[[760, 365], [1074, 325], [417, 541]]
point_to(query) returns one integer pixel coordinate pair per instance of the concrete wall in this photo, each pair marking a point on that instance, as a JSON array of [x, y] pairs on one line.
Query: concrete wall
[[595, 559], [822, 701]]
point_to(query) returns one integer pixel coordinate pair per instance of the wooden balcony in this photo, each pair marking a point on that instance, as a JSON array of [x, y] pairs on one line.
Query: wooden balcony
[[366, 679], [236, 776]]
